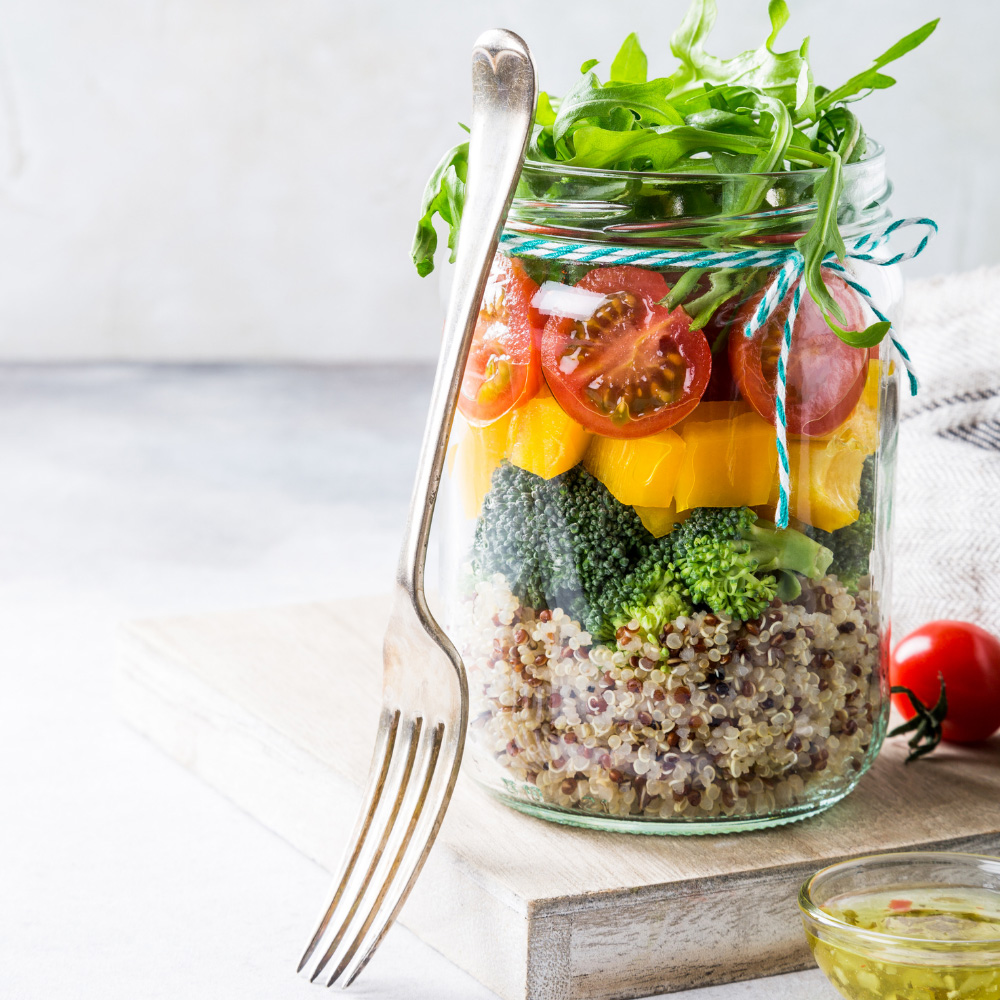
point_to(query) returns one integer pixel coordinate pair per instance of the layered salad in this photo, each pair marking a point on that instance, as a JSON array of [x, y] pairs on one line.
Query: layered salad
[[657, 624], [641, 639]]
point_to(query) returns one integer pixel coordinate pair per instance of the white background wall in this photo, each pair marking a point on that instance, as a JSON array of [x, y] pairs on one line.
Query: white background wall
[[213, 179]]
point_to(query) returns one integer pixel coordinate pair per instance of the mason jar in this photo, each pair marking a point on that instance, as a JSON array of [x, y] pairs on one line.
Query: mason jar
[[648, 649]]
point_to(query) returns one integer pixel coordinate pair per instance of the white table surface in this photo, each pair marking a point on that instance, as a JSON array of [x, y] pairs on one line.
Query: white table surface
[[129, 491]]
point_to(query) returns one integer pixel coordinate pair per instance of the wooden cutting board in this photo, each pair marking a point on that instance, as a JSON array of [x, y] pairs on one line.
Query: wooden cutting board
[[278, 708]]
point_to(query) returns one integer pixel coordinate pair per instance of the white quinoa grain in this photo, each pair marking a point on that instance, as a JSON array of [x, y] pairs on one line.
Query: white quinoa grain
[[737, 727]]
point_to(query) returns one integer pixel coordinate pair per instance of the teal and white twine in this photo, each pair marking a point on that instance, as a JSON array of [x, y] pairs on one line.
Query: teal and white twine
[[791, 268], [780, 423]]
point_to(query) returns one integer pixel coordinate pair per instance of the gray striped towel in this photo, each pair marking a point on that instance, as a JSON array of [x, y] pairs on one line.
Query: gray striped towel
[[947, 509]]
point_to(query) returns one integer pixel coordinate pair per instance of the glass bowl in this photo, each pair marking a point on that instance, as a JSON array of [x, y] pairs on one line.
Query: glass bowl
[[908, 926]]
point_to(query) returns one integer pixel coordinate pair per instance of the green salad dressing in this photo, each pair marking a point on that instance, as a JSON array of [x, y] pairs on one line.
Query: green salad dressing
[[921, 921]]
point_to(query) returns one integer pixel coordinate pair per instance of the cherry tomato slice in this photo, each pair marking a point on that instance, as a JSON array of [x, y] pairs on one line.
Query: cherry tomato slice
[[635, 367], [722, 386], [968, 658], [825, 376], [504, 369]]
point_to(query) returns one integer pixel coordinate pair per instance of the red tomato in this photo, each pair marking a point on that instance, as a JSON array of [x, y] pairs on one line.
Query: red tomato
[[633, 368], [968, 658], [504, 369], [825, 376], [721, 386]]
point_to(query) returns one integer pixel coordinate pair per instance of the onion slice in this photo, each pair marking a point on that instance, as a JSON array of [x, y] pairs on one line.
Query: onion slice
[[556, 299]]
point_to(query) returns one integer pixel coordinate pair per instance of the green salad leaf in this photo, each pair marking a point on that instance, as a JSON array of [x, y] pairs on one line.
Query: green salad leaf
[[871, 79], [661, 147], [619, 107], [629, 66], [785, 75], [443, 196], [759, 112]]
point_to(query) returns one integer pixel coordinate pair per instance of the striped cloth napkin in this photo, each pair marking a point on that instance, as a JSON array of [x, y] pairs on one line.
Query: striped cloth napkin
[[947, 511]]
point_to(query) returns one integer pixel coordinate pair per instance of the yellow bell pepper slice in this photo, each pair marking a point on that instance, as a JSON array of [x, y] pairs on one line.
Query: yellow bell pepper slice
[[660, 521], [475, 457], [727, 462], [639, 471], [860, 429], [825, 472], [718, 409], [542, 439], [826, 482]]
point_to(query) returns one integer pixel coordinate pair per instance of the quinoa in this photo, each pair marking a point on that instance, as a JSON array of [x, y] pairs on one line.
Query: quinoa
[[711, 718]]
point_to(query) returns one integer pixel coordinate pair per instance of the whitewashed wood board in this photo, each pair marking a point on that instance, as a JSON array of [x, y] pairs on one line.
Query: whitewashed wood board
[[277, 708]]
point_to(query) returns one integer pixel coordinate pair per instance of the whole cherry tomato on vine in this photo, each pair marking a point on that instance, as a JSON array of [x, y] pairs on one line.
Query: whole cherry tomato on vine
[[967, 658]]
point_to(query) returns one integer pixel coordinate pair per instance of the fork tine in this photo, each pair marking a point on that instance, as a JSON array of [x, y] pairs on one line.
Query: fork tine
[[412, 736], [381, 759], [407, 874], [401, 873]]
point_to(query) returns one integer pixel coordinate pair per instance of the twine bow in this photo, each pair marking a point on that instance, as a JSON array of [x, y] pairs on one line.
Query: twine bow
[[791, 268]]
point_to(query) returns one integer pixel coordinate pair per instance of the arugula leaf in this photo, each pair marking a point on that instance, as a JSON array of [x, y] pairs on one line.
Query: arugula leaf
[[565, 272], [682, 287], [781, 135], [544, 112], [686, 42], [753, 193], [589, 102], [756, 114], [777, 11], [445, 196], [724, 285], [630, 65], [871, 79], [719, 120], [824, 238], [662, 147], [805, 87], [778, 74]]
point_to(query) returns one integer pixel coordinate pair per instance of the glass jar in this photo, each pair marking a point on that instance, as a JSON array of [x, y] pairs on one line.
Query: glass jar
[[646, 651]]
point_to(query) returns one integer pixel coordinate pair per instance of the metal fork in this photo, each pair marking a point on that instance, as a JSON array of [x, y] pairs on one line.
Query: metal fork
[[425, 697]]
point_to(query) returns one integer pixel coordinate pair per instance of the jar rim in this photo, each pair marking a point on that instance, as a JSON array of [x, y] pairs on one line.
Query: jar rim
[[874, 156], [697, 208]]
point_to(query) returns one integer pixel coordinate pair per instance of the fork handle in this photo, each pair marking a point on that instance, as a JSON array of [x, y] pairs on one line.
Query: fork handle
[[503, 106]]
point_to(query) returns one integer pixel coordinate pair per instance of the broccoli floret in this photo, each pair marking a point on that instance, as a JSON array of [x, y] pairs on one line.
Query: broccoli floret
[[728, 560], [587, 540], [567, 542], [505, 534], [652, 593], [866, 500], [560, 542], [852, 545]]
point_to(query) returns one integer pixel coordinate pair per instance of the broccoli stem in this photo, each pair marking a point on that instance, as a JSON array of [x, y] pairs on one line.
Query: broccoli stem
[[786, 549], [788, 586]]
